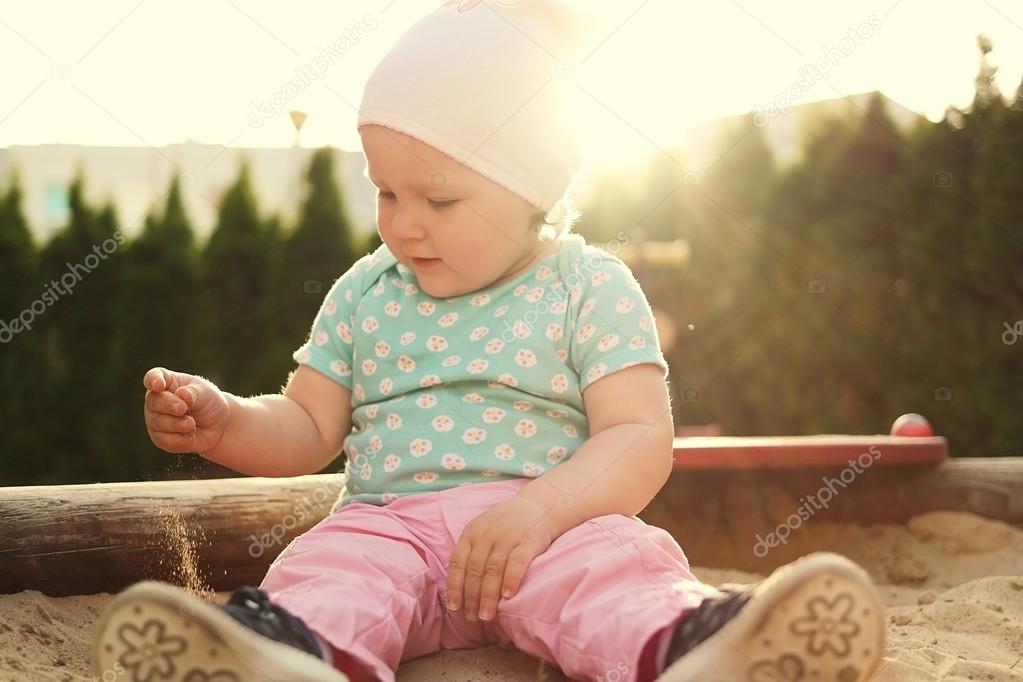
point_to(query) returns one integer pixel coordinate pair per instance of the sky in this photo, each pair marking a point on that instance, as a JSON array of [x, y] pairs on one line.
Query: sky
[[158, 72]]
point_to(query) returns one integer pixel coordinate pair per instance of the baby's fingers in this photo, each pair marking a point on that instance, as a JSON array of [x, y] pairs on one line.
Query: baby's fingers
[[165, 403], [171, 424], [493, 578], [177, 443], [456, 574]]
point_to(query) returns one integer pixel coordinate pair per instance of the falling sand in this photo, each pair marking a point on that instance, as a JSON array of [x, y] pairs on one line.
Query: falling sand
[[181, 541]]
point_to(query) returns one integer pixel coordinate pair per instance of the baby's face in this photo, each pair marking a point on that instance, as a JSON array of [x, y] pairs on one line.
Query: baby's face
[[429, 206]]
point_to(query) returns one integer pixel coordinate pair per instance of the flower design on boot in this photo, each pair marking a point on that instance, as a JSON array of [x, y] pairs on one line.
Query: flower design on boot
[[149, 651], [788, 668], [828, 625]]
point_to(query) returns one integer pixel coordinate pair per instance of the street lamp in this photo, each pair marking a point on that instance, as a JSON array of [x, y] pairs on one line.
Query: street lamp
[[298, 120]]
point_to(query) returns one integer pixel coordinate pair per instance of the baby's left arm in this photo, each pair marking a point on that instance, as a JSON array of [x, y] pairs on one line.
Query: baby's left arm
[[627, 458], [614, 349]]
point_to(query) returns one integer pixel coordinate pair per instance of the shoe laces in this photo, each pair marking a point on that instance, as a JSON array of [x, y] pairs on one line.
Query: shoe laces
[[252, 607]]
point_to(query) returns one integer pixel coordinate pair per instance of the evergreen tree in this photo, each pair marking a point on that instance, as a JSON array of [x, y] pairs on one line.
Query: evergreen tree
[[314, 255], [21, 353], [804, 341], [157, 320], [82, 345], [986, 92], [236, 269], [988, 288], [109, 402]]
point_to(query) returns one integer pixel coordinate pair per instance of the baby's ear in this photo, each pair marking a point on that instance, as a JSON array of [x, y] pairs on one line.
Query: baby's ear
[[538, 218], [561, 217]]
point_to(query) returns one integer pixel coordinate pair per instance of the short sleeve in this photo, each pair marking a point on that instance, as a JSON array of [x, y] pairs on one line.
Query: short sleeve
[[328, 349], [614, 327]]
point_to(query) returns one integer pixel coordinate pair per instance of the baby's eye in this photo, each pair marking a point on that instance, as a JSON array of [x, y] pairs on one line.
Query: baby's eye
[[436, 203]]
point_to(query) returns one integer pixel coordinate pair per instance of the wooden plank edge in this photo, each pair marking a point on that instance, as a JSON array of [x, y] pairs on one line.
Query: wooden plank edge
[[83, 539]]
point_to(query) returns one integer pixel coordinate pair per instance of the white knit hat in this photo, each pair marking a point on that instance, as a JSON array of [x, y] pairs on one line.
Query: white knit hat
[[491, 84]]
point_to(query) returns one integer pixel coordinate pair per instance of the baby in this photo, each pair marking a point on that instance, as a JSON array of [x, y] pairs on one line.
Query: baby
[[497, 387]]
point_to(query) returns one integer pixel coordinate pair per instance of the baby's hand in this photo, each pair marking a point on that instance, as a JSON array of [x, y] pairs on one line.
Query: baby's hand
[[493, 554], [183, 412]]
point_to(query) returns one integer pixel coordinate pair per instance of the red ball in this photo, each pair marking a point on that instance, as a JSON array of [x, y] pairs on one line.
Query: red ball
[[913, 425]]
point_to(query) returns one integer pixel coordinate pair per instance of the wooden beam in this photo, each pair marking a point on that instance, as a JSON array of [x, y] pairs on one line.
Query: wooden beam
[[720, 516], [755, 452], [81, 539]]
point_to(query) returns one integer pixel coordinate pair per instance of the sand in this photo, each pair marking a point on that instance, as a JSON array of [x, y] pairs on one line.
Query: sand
[[953, 584]]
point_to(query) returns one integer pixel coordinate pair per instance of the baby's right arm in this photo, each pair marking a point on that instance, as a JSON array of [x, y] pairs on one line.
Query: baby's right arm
[[296, 433]]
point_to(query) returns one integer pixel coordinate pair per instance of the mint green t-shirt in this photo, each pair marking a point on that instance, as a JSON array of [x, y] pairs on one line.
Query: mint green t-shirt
[[480, 387]]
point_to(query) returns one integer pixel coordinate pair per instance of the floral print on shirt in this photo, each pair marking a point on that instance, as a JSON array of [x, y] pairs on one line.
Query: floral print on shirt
[[478, 387]]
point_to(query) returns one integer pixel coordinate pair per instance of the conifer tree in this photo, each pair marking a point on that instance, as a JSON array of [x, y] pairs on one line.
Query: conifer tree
[[21, 353], [314, 254], [107, 402], [83, 350], [236, 269], [157, 320]]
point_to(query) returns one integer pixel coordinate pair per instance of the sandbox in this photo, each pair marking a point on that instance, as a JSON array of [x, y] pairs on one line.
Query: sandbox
[[942, 539]]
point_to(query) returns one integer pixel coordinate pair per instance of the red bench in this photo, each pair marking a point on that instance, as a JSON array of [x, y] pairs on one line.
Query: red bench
[[785, 452]]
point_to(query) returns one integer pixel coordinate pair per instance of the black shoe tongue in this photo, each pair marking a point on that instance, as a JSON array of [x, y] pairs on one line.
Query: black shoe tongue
[[706, 619], [252, 608]]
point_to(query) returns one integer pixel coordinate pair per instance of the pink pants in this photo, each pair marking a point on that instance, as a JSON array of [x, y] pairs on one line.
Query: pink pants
[[371, 581]]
